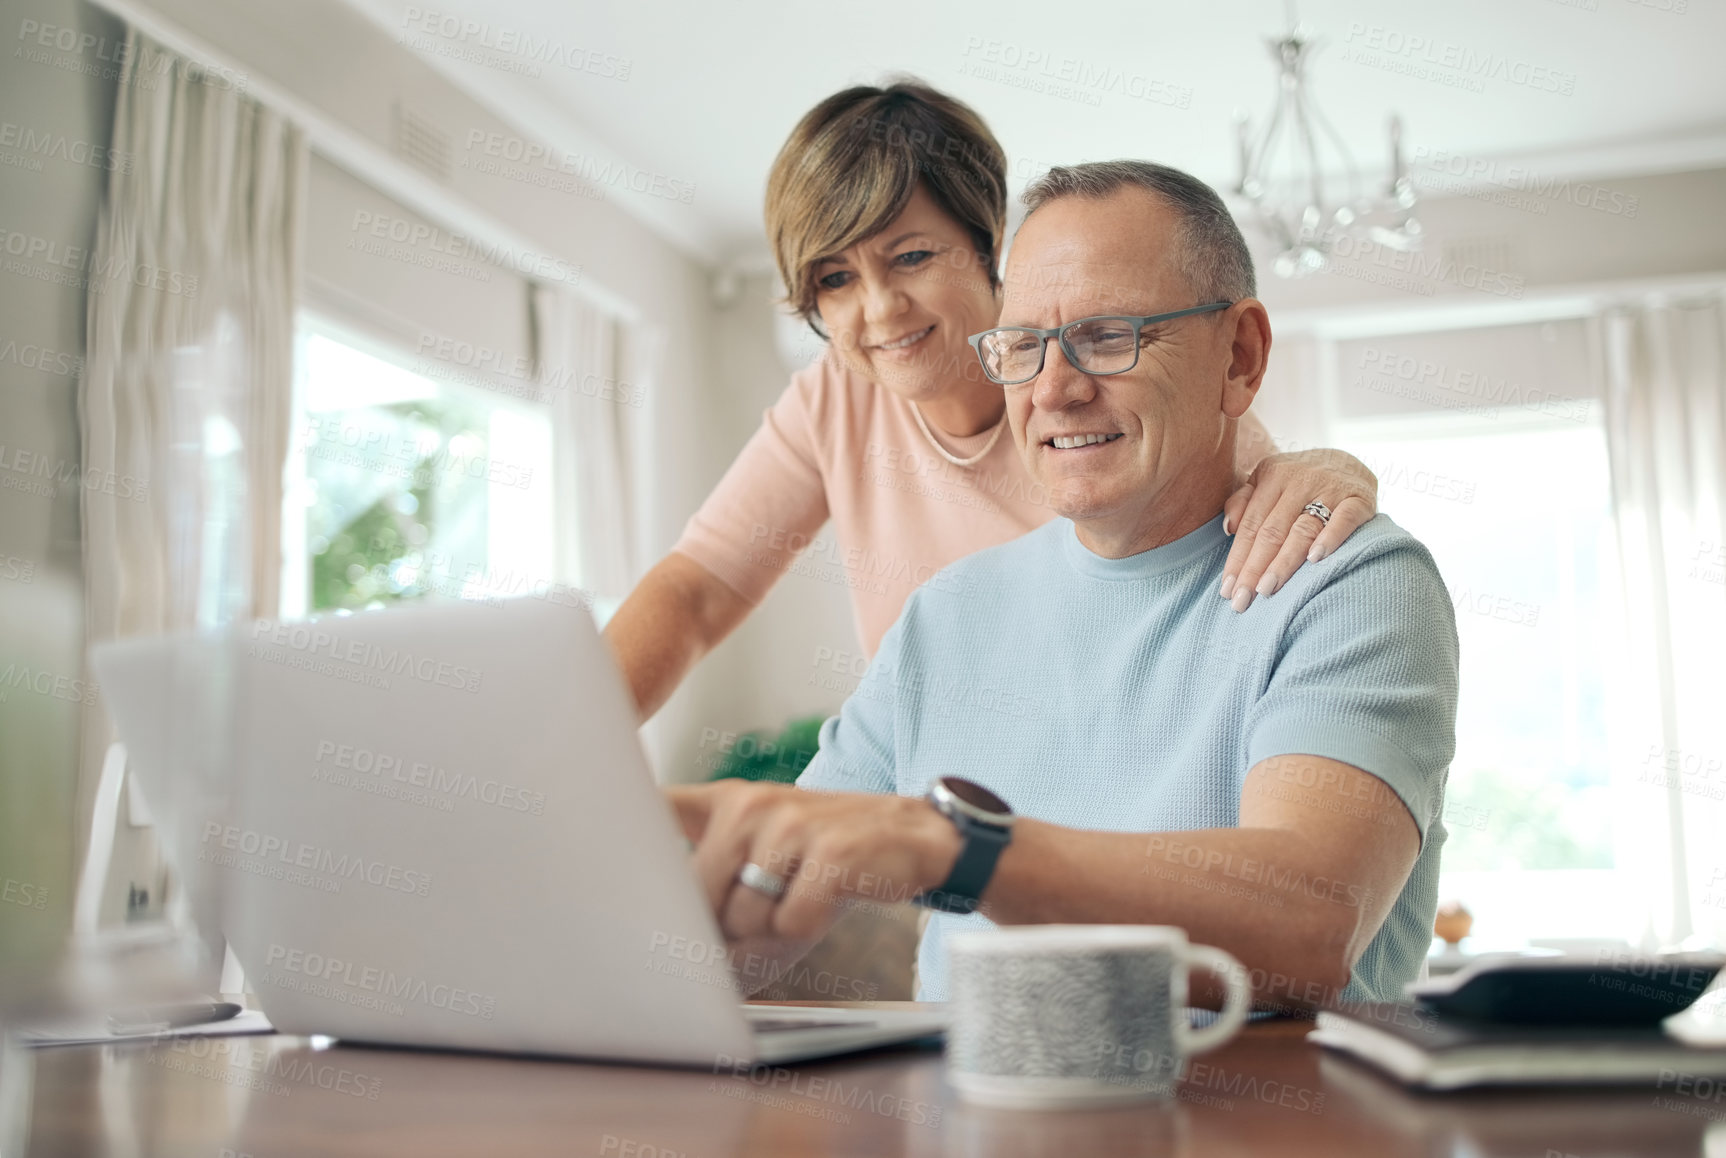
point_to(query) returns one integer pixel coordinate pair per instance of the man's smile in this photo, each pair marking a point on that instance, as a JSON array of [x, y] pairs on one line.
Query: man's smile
[[1079, 441]]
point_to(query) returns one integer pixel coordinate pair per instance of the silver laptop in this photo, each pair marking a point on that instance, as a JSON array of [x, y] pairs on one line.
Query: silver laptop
[[441, 831]]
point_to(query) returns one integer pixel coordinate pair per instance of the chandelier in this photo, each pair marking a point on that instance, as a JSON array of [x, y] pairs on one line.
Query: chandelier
[[1301, 180]]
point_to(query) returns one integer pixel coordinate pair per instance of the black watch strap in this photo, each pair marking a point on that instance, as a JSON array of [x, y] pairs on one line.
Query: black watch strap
[[960, 892]]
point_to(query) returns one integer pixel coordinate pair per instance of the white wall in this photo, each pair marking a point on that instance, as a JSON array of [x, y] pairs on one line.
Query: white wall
[[764, 674], [1530, 229]]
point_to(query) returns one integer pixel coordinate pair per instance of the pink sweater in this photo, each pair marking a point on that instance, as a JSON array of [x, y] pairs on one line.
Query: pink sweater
[[837, 446]]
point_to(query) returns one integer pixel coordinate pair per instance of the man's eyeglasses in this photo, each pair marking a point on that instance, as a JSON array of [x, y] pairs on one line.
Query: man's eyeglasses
[[1102, 345]]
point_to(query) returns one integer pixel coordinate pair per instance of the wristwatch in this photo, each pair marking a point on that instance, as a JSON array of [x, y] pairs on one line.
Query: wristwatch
[[985, 821]]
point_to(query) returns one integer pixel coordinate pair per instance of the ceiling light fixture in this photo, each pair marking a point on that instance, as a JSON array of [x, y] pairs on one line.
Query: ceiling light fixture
[[1290, 175]]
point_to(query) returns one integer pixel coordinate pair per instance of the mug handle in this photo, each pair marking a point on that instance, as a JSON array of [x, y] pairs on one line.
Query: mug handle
[[1234, 1014]]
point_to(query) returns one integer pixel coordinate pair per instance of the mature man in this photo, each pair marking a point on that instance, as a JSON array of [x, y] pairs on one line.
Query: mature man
[[1270, 781]]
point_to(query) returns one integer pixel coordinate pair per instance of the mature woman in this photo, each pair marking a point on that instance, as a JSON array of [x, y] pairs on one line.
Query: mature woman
[[886, 210]]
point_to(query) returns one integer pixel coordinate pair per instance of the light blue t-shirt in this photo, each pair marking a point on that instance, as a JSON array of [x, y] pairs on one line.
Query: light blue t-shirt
[[1125, 695]]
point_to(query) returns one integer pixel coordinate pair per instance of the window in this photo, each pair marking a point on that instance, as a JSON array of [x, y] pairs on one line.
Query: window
[[1517, 514], [401, 487]]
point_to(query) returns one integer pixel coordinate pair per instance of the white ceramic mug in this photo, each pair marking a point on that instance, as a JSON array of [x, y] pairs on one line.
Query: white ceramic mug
[[1047, 1016]]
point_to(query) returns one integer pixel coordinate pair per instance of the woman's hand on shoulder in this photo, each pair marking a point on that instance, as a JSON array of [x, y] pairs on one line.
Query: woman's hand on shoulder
[[1273, 534]]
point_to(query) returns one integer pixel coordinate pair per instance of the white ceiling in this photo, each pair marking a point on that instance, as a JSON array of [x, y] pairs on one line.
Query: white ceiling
[[712, 90]]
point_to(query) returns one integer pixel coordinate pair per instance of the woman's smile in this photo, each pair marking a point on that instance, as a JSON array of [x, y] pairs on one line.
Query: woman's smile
[[905, 342], [904, 349]]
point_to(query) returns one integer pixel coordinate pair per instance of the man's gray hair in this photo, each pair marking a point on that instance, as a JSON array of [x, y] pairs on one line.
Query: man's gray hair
[[1213, 255]]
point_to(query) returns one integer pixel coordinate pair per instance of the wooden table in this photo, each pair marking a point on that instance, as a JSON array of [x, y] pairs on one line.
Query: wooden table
[[1267, 1092]]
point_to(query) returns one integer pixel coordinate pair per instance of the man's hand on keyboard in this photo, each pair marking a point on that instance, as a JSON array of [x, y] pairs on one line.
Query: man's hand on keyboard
[[832, 851]]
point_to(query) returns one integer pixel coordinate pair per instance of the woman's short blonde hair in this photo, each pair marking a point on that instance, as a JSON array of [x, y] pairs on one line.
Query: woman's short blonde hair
[[853, 162]]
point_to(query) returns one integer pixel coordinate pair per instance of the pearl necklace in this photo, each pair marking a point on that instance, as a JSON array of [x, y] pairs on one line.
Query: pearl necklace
[[944, 453]]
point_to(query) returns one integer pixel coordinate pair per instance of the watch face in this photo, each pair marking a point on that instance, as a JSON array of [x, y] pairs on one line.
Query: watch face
[[978, 797]]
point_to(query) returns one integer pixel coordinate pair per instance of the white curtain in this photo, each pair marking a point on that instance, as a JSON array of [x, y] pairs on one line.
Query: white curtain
[[185, 402], [1666, 431], [576, 346]]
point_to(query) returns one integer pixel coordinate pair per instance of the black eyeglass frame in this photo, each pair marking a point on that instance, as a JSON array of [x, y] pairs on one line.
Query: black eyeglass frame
[[1059, 333]]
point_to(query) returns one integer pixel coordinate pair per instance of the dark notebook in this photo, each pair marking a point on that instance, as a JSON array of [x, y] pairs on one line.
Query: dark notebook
[[1605, 989], [1423, 1048]]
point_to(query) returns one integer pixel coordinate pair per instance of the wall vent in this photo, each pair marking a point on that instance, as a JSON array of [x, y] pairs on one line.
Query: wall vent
[[1492, 253], [421, 143]]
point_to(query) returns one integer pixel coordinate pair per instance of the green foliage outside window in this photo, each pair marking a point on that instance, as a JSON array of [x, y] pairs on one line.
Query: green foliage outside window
[[383, 506], [355, 570], [1496, 821]]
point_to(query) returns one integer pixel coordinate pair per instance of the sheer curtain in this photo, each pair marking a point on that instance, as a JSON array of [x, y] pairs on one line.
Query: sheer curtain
[[184, 406], [1665, 364], [577, 348]]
